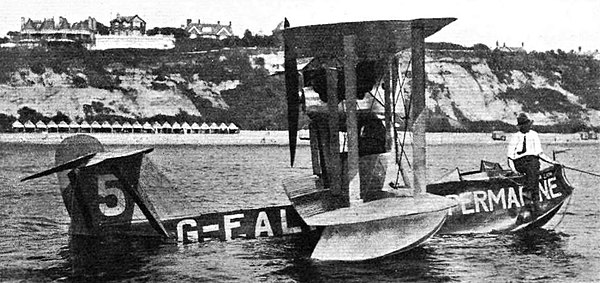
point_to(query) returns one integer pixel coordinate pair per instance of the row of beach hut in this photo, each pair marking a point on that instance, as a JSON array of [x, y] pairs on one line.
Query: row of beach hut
[[116, 127]]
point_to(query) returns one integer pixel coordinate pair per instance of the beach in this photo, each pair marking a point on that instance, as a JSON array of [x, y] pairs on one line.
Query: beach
[[258, 138]]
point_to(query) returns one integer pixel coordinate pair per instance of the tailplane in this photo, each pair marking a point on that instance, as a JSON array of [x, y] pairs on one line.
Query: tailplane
[[101, 190]]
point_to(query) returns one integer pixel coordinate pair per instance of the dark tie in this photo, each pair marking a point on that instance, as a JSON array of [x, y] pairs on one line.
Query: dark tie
[[524, 146]]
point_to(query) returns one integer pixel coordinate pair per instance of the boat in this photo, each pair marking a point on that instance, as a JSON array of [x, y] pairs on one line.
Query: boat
[[350, 91], [498, 136], [494, 200]]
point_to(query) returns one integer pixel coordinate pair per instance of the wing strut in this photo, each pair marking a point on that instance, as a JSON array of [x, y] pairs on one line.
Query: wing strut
[[137, 198]]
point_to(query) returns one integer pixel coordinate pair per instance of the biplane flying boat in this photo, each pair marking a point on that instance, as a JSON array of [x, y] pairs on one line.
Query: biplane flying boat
[[354, 199], [359, 198]]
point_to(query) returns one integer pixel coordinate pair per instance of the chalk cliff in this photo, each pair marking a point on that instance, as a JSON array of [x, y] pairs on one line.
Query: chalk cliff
[[462, 87]]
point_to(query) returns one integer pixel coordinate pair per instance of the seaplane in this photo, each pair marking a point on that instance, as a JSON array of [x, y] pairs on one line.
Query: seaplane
[[350, 199], [360, 198]]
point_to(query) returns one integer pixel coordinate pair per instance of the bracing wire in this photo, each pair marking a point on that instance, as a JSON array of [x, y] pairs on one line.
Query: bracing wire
[[406, 112]]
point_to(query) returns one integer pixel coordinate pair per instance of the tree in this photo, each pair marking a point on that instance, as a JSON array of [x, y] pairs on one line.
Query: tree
[[28, 114], [248, 39], [102, 29], [59, 117], [6, 122], [178, 33]]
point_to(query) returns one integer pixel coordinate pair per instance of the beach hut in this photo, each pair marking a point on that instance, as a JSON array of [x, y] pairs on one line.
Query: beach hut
[[74, 127], [127, 128], [233, 129], [186, 128], [214, 129], [157, 127], [85, 127], [166, 127], [176, 128], [63, 127], [195, 128], [106, 127], [40, 126], [117, 127], [52, 127], [147, 128], [137, 127], [223, 129], [204, 129], [29, 127], [18, 127], [96, 127]]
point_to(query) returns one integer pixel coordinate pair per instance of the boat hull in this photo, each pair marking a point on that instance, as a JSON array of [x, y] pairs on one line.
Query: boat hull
[[500, 203], [378, 228], [374, 239]]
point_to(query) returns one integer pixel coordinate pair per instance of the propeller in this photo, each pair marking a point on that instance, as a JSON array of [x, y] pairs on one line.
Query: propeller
[[291, 87]]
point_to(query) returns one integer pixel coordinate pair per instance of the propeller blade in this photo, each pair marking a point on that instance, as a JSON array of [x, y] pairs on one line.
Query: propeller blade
[[291, 87]]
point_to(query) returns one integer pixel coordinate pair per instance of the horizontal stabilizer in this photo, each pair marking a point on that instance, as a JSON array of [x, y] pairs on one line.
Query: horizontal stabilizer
[[88, 160], [104, 156], [63, 167]]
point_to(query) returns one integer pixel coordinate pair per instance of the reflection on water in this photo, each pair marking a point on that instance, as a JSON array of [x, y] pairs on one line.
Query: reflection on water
[[35, 246], [536, 255]]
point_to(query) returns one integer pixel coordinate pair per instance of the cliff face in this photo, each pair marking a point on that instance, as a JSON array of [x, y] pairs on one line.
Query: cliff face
[[139, 94], [461, 88]]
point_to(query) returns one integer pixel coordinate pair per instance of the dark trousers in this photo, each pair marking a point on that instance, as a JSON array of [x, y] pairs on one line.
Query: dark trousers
[[530, 166]]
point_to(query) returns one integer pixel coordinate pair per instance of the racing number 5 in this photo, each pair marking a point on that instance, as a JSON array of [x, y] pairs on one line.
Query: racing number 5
[[111, 199]]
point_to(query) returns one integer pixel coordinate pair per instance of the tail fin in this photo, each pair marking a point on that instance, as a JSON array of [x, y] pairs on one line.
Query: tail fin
[[101, 189]]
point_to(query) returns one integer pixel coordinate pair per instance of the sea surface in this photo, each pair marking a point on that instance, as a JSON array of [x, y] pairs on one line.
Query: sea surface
[[35, 246]]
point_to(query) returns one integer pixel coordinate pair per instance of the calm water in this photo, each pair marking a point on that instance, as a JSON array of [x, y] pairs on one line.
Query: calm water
[[34, 244]]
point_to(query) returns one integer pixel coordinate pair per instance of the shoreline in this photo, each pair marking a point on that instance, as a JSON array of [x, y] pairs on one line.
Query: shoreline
[[258, 138]]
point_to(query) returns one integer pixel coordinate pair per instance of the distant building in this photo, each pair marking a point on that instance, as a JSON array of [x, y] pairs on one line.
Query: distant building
[[510, 49], [33, 32], [130, 33], [215, 31], [591, 53], [127, 25]]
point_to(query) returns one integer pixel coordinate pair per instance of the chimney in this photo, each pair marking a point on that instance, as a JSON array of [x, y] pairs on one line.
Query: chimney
[[189, 22], [218, 23], [229, 23], [198, 21]]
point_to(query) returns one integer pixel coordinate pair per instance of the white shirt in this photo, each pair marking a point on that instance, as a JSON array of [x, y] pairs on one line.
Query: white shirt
[[532, 141]]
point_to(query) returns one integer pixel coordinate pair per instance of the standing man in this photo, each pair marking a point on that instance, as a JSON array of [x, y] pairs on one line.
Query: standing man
[[524, 154]]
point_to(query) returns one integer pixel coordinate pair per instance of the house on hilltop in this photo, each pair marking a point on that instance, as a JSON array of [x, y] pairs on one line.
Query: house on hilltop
[[511, 49], [130, 33], [215, 31], [34, 32], [127, 25]]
